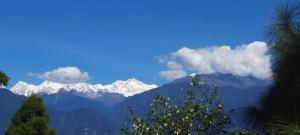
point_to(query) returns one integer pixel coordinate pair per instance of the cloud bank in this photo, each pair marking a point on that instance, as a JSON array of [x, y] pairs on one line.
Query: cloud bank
[[174, 71], [250, 59], [64, 75]]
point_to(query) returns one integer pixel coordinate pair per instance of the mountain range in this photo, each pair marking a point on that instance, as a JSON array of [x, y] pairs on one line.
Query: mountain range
[[126, 88], [76, 109]]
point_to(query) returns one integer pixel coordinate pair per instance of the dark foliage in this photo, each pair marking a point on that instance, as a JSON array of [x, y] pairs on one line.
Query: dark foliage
[[4, 79], [281, 103], [194, 114], [30, 119]]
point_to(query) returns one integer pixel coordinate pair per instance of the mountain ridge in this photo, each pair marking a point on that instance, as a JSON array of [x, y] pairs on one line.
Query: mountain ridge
[[235, 91], [127, 88]]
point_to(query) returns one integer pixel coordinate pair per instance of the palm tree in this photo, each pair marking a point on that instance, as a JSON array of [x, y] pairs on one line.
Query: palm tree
[[4, 79], [281, 103]]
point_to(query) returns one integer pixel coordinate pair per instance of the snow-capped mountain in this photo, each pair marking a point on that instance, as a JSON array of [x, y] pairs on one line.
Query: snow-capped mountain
[[126, 88]]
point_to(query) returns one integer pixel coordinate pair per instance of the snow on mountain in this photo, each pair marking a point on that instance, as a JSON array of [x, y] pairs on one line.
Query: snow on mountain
[[129, 87], [126, 88]]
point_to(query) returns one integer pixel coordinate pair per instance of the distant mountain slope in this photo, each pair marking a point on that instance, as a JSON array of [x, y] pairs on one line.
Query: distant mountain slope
[[80, 122], [109, 99], [74, 113], [9, 102], [68, 101], [69, 113], [236, 92]]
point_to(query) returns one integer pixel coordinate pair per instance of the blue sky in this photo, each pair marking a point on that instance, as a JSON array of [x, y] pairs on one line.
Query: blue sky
[[114, 40]]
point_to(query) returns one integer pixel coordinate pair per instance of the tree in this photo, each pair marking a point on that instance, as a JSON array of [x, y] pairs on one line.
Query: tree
[[4, 79], [199, 112], [30, 119], [281, 103]]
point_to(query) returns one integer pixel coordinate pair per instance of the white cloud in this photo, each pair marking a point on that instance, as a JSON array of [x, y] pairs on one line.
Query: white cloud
[[251, 59], [64, 75], [173, 65], [174, 71], [172, 74]]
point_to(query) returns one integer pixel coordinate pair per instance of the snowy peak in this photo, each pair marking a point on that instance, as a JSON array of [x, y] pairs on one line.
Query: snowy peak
[[129, 87], [23, 88], [126, 88]]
